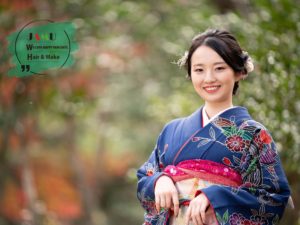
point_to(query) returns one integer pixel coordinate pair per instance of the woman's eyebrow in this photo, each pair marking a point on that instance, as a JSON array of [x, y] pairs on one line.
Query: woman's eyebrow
[[201, 64], [217, 63]]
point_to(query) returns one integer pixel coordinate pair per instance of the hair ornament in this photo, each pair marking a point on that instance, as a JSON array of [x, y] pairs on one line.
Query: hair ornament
[[249, 66], [182, 61]]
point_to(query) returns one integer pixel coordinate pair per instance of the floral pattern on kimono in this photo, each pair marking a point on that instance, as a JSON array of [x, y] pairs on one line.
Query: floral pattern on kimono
[[234, 139]]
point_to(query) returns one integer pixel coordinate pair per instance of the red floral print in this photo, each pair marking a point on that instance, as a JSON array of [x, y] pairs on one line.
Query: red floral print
[[226, 161], [265, 137], [258, 142], [236, 143], [149, 172], [150, 169], [262, 138], [239, 219]]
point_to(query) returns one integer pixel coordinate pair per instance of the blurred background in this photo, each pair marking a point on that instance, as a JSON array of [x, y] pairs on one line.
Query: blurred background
[[71, 141]]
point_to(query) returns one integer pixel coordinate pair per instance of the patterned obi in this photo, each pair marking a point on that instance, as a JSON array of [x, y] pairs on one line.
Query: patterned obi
[[191, 176]]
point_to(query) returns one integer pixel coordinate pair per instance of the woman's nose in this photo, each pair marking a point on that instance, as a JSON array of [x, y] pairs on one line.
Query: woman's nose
[[209, 77]]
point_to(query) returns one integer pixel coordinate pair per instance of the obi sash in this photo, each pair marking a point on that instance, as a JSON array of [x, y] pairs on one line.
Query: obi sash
[[190, 176]]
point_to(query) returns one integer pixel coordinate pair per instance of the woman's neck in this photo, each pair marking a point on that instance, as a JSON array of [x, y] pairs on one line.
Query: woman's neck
[[214, 109]]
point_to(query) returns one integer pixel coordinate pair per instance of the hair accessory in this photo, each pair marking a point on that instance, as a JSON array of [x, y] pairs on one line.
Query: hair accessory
[[248, 63], [182, 61]]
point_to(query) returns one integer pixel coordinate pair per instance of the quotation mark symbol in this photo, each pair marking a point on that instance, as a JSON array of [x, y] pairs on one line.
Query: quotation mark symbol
[[27, 67]]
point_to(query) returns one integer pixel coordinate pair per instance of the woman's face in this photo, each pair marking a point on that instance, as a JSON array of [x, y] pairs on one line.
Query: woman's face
[[213, 79]]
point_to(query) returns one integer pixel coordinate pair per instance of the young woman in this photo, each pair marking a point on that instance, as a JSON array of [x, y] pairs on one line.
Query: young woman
[[218, 165]]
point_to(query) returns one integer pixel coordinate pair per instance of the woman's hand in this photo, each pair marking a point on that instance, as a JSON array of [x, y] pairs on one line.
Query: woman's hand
[[197, 209], [166, 195]]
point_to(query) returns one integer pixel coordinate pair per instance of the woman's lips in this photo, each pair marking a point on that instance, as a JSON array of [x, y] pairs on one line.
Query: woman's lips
[[212, 89]]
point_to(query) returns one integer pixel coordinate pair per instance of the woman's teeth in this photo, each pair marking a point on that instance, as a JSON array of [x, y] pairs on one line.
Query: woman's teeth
[[211, 88]]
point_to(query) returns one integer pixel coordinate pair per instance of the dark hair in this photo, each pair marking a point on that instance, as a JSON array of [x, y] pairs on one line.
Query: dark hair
[[225, 44]]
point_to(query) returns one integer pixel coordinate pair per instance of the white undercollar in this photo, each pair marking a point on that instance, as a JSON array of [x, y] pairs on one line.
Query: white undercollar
[[205, 118]]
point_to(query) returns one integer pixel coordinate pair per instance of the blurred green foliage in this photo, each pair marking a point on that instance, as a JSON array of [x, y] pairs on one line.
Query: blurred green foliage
[[127, 85]]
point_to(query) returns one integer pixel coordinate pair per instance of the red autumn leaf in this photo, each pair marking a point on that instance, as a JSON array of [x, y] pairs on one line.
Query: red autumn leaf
[[57, 191], [12, 201]]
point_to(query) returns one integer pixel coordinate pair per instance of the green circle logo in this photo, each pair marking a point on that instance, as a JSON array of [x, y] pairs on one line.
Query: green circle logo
[[42, 45]]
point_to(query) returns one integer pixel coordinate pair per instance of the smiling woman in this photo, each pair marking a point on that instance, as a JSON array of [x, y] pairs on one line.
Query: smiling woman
[[213, 79], [218, 165]]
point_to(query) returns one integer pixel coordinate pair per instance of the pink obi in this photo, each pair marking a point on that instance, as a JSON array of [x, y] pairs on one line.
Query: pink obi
[[191, 176], [204, 169]]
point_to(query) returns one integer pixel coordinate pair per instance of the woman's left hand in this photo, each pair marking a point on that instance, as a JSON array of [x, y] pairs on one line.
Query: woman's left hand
[[196, 210]]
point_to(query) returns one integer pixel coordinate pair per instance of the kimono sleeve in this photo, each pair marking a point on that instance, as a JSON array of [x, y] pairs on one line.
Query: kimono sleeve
[[264, 193], [147, 175]]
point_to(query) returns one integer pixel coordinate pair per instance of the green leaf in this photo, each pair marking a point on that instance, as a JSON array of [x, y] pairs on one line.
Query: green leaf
[[225, 216], [228, 131], [275, 220], [246, 136], [219, 218]]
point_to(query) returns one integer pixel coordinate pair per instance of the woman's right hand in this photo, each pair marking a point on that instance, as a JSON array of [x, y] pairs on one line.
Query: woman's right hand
[[166, 195]]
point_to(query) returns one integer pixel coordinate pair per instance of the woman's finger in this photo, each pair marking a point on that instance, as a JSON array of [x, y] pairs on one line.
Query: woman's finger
[[196, 215], [162, 201], [188, 216], [203, 209], [157, 203], [202, 213], [194, 221], [175, 201], [168, 201], [199, 218]]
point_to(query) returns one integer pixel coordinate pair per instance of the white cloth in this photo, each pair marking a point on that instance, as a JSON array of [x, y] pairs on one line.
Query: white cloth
[[205, 117]]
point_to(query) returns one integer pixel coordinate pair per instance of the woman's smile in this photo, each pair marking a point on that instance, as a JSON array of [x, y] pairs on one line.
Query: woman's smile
[[212, 78], [212, 88]]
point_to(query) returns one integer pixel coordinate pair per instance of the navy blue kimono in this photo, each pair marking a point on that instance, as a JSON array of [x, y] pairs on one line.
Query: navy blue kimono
[[234, 139]]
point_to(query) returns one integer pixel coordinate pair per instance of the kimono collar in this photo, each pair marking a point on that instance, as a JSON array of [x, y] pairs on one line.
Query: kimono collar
[[194, 122], [206, 119]]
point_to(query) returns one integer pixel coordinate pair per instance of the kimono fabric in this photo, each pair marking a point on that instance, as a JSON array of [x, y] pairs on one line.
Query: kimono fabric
[[192, 175], [232, 160]]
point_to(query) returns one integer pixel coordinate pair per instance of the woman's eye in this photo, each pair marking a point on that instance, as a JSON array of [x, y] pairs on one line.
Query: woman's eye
[[198, 70], [219, 68]]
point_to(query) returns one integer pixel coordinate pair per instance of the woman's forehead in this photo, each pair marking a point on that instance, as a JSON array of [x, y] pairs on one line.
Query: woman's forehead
[[206, 55]]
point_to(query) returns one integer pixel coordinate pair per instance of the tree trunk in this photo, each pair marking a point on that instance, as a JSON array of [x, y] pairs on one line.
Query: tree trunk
[[86, 193], [27, 178]]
